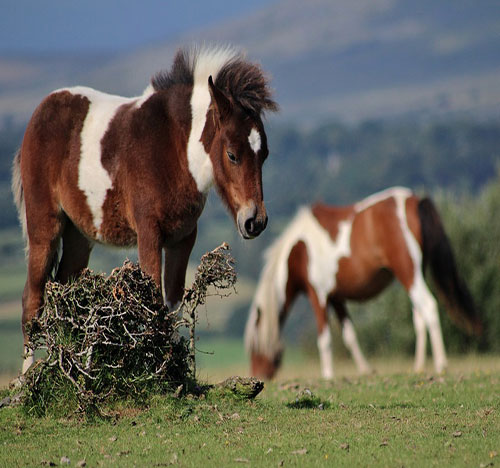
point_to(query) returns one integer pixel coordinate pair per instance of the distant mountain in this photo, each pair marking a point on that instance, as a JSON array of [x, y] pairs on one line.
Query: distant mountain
[[328, 59]]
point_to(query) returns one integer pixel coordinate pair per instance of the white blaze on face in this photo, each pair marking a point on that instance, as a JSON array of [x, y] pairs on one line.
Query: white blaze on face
[[254, 140]]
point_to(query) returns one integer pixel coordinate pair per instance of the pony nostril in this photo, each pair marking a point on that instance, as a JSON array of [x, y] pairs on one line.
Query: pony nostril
[[265, 223], [250, 225]]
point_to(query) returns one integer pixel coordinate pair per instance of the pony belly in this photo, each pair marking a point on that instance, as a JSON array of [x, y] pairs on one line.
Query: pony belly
[[360, 287], [117, 234]]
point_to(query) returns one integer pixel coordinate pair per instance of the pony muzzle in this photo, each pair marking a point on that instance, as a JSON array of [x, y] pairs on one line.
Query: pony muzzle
[[263, 366], [250, 221]]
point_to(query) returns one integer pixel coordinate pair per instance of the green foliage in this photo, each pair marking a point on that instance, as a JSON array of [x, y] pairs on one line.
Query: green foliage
[[473, 226]]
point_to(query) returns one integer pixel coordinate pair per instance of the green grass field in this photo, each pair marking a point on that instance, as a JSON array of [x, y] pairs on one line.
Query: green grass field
[[389, 419]]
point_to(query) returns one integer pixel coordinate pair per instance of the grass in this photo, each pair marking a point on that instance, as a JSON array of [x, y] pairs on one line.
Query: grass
[[389, 419]]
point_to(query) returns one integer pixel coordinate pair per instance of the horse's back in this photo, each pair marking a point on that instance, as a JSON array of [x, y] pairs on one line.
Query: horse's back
[[53, 131], [379, 243]]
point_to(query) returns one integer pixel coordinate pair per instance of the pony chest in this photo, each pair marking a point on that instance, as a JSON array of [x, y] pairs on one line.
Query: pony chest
[[324, 255], [179, 222]]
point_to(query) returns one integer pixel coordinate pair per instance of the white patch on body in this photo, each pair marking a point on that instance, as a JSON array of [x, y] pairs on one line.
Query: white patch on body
[[396, 192], [254, 140], [207, 62], [325, 353], [324, 256], [93, 179]]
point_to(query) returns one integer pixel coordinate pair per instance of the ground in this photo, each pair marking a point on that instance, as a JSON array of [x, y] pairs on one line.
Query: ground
[[391, 418]]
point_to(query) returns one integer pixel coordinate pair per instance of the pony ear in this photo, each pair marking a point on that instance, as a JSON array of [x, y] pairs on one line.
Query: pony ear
[[220, 102]]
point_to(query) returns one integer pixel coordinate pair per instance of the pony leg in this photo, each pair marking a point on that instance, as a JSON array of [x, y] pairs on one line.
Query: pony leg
[[41, 259], [27, 316], [426, 306], [176, 261], [324, 335], [75, 253], [405, 260], [421, 340], [149, 249], [350, 338]]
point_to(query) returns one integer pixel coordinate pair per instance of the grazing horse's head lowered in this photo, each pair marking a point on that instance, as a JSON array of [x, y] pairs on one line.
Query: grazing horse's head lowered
[[351, 253], [137, 171]]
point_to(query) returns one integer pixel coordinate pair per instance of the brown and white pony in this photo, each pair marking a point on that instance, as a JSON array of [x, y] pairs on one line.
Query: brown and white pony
[[94, 167], [335, 254]]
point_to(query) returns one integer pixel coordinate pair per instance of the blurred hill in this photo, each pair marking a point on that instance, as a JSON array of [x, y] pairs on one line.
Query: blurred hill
[[351, 60]]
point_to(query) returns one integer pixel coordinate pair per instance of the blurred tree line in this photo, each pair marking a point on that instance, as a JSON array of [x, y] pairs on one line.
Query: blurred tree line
[[456, 162]]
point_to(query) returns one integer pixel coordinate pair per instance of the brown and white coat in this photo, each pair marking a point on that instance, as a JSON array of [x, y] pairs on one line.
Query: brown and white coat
[[94, 167], [334, 254]]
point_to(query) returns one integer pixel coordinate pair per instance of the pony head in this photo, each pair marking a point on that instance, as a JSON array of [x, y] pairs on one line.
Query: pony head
[[227, 144], [263, 339], [238, 150], [264, 367]]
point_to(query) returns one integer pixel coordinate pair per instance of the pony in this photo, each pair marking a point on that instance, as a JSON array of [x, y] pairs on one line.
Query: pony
[[334, 254], [95, 167]]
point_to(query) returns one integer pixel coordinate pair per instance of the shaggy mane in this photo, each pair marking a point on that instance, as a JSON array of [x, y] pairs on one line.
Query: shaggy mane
[[242, 81]]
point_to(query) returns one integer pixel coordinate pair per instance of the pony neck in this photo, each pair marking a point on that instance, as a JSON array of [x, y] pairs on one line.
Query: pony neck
[[265, 338]]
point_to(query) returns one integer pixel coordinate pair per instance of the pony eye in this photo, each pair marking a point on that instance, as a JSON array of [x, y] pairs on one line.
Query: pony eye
[[231, 157]]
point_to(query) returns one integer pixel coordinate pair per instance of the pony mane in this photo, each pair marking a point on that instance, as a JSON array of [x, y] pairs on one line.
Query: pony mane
[[242, 81], [262, 331]]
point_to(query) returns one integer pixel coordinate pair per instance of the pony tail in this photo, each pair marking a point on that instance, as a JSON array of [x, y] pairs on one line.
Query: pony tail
[[438, 253], [18, 192]]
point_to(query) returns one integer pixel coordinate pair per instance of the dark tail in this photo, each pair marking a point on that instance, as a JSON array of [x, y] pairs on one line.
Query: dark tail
[[437, 252]]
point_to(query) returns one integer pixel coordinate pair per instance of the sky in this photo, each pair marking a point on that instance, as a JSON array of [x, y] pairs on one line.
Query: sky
[[44, 26]]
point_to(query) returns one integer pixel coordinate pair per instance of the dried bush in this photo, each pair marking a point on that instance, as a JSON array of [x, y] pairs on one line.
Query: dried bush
[[111, 338]]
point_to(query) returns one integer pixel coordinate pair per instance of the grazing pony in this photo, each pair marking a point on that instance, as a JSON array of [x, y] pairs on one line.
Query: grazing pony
[[334, 254], [94, 167]]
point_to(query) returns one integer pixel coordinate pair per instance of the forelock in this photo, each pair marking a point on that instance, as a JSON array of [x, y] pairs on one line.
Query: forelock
[[246, 84]]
